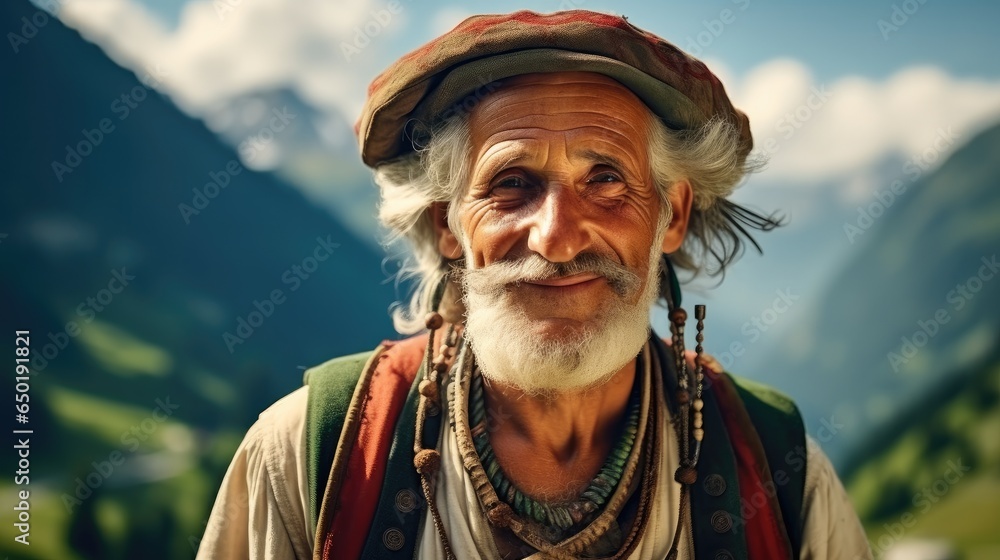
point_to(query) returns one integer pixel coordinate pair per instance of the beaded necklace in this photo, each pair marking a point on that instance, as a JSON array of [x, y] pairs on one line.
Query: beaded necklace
[[564, 515], [427, 461]]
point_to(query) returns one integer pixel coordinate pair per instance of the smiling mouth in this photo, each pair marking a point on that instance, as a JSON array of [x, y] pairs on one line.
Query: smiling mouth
[[563, 281]]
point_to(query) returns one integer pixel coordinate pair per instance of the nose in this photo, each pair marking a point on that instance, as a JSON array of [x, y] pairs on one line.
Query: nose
[[559, 231]]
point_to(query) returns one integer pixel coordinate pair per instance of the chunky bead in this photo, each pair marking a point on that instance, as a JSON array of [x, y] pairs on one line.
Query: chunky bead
[[429, 389], [697, 420], [683, 396], [499, 515], [686, 475], [427, 461], [699, 404], [433, 320], [699, 434], [678, 316]]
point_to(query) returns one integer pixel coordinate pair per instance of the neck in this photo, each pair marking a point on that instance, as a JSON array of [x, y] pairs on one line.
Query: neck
[[551, 446]]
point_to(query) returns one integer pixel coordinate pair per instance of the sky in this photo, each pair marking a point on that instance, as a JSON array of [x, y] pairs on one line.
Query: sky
[[843, 97], [851, 81]]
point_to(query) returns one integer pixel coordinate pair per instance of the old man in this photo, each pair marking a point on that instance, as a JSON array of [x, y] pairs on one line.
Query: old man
[[551, 173]]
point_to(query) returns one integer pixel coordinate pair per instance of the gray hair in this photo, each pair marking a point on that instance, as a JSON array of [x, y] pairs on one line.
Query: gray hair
[[438, 170]]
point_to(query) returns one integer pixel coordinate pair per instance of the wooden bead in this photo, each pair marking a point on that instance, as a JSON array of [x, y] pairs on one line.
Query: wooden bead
[[699, 434], [697, 420], [427, 461], [500, 515], [699, 312], [699, 404], [686, 475], [678, 316], [683, 396], [433, 320], [429, 389], [440, 367]]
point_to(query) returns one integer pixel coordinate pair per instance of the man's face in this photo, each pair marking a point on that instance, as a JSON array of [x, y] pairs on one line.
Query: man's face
[[560, 175], [560, 168]]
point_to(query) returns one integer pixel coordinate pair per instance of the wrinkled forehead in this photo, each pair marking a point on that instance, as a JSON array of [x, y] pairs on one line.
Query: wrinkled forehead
[[560, 102]]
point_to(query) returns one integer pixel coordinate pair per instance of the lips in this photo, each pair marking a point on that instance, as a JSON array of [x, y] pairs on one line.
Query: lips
[[563, 281]]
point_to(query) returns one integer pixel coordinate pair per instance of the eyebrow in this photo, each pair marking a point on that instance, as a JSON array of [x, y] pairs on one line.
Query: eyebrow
[[504, 162], [600, 158], [597, 157]]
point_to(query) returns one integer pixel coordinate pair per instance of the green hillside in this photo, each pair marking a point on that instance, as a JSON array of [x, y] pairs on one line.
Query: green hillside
[[934, 472], [138, 397], [917, 298]]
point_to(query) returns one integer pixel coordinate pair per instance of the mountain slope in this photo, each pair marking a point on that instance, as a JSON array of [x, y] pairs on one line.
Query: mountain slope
[[916, 301], [170, 294], [934, 471]]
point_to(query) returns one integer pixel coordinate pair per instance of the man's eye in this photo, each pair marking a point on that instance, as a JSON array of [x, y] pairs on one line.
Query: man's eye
[[511, 182], [605, 177]]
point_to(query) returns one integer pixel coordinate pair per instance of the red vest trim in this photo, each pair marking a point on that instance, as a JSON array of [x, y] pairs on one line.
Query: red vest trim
[[347, 515]]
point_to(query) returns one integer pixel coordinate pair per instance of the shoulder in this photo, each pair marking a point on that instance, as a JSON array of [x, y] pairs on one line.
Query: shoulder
[[390, 356], [259, 511], [757, 397], [287, 411], [279, 426], [765, 394], [763, 402], [832, 530], [273, 450]]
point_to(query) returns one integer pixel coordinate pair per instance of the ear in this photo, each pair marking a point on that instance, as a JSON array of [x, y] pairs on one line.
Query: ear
[[681, 198], [448, 244]]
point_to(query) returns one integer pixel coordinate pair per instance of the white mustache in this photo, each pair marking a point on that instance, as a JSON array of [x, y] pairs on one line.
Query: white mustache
[[497, 277]]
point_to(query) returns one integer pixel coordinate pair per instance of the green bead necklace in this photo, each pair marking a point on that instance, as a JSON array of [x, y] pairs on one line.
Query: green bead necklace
[[566, 514]]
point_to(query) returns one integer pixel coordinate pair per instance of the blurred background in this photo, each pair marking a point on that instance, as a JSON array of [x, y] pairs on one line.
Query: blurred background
[[174, 169]]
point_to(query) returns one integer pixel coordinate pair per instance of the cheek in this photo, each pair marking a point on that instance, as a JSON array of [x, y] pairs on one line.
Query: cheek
[[633, 229], [490, 234]]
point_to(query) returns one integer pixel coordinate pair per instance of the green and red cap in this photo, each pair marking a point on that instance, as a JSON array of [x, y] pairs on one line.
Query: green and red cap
[[454, 71]]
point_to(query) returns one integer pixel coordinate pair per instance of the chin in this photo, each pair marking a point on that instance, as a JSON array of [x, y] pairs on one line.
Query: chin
[[545, 356], [549, 354]]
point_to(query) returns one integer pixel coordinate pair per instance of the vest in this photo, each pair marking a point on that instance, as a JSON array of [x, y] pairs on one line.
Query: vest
[[366, 501]]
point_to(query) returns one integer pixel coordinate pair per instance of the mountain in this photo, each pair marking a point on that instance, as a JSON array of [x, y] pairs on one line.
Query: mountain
[[933, 472], [914, 302], [313, 151], [170, 294]]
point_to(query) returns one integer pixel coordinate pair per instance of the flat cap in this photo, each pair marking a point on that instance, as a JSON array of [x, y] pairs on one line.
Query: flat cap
[[453, 72]]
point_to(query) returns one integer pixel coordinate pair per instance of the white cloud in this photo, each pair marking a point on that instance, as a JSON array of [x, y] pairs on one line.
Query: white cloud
[[327, 52], [223, 49], [817, 132]]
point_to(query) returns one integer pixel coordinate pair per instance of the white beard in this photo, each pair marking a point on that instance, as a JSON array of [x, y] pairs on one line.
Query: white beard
[[510, 352]]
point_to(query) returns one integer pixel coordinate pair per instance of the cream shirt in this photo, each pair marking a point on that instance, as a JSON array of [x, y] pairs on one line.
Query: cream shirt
[[261, 512]]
